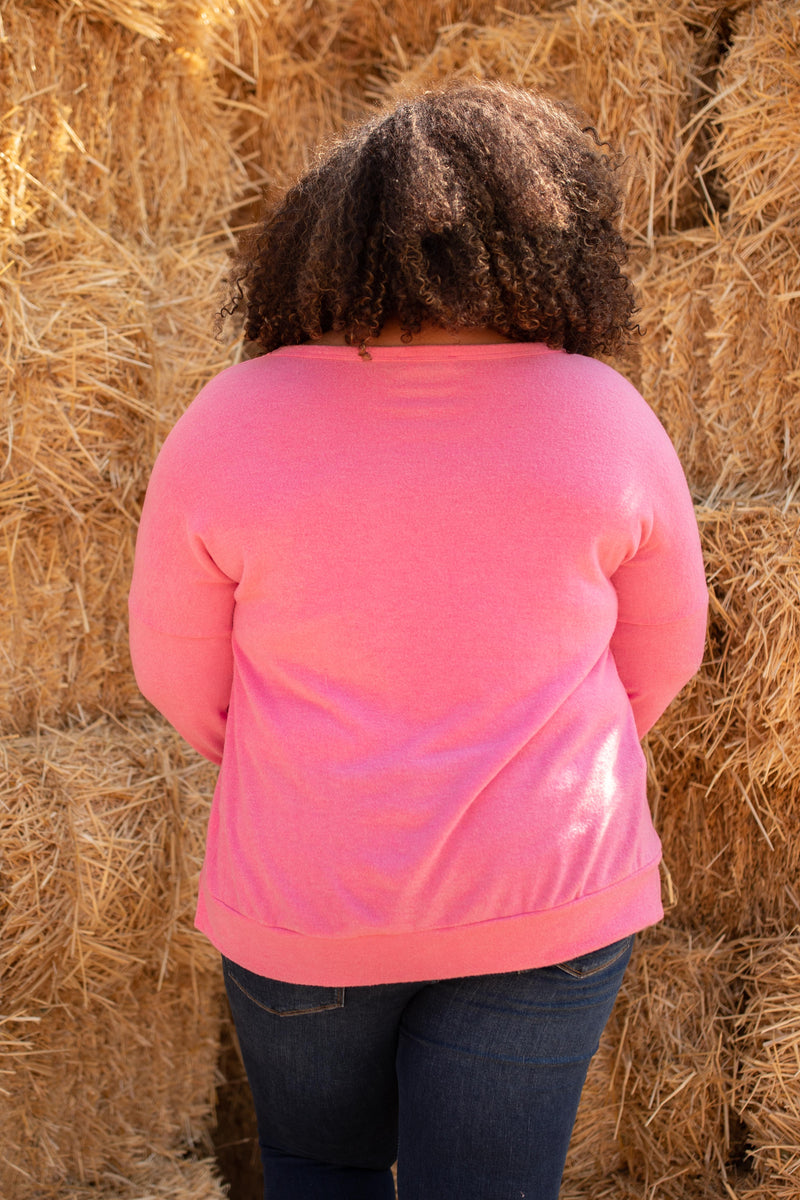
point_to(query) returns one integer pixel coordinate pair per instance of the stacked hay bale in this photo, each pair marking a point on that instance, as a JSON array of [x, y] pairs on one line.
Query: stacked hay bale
[[133, 129], [734, 786], [110, 1026], [117, 174], [719, 363]]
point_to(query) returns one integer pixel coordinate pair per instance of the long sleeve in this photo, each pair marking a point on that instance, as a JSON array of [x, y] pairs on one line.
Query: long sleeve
[[188, 680], [656, 661], [662, 597], [181, 605]]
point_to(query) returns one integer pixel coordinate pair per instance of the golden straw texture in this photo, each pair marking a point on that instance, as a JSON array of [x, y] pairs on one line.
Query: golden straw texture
[[751, 409], [720, 355], [674, 281], [726, 767], [632, 67], [157, 1178], [756, 149], [95, 1092], [102, 830], [100, 367], [676, 1061], [147, 152], [105, 336], [768, 1085], [134, 136], [659, 1117]]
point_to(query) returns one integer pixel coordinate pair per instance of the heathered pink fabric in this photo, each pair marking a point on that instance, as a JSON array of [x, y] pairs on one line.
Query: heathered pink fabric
[[440, 595]]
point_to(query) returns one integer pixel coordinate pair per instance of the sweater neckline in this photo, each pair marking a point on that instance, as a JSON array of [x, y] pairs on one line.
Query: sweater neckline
[[423, 352]]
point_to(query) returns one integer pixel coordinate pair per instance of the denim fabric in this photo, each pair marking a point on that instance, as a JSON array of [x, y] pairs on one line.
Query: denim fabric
[[472, 1083]]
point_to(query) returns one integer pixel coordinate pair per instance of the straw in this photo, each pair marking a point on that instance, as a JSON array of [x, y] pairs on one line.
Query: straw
[[674, 281], [768, 1087], [719, 314], [659, 1115], [110, 1051], [96, 1093], [756, 150], [156, 1179], [134, 138], [752, 405], [102, 830], [105, 338], [675, 1062], [146, 151], [631, 67], [725, 763], [105, 361]]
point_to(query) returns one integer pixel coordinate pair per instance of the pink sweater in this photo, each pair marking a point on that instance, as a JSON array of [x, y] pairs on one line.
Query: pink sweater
[[421, 609]]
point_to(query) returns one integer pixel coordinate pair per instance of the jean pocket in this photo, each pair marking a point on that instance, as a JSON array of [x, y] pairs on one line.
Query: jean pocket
[[279, 998], [597, 960]]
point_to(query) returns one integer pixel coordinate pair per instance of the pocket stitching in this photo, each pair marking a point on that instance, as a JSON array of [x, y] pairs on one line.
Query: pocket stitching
[[596, 971], [290, 1012]]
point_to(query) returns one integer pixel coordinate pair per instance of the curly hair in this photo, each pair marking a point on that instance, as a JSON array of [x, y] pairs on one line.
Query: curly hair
[[477, 205]]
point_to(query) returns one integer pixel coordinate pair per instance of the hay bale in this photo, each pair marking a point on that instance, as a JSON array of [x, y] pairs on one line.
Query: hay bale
[[768, 1087], [753, 555], [632, 66], [112, 130], [102, 829], [109, 1047], [533, 50], [727, 871], [119, 170], [76, 428], [94, 1094], [725, 760], [636, 73], [328, 64], [128, 343], [106, 336], [76, 392], [396, 29], [309, 62], [676, 1064], [112, 347], [720, 314], [156, 1179], [673, 281], [64, 634], [751, 409], [756, 151], [622, 1186], [130, 128], [97, 314], [658, 1116]]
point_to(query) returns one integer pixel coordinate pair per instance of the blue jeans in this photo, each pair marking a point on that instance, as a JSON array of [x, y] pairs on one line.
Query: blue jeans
[[472, 1084]]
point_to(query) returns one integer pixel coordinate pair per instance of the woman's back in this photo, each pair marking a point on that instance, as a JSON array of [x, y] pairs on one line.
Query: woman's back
[[427, 555]]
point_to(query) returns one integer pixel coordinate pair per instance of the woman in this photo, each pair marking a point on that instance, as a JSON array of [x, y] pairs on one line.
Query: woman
[[419, 576]]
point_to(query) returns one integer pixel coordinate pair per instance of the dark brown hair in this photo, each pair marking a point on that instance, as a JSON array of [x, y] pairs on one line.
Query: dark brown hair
[[477, 205]]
